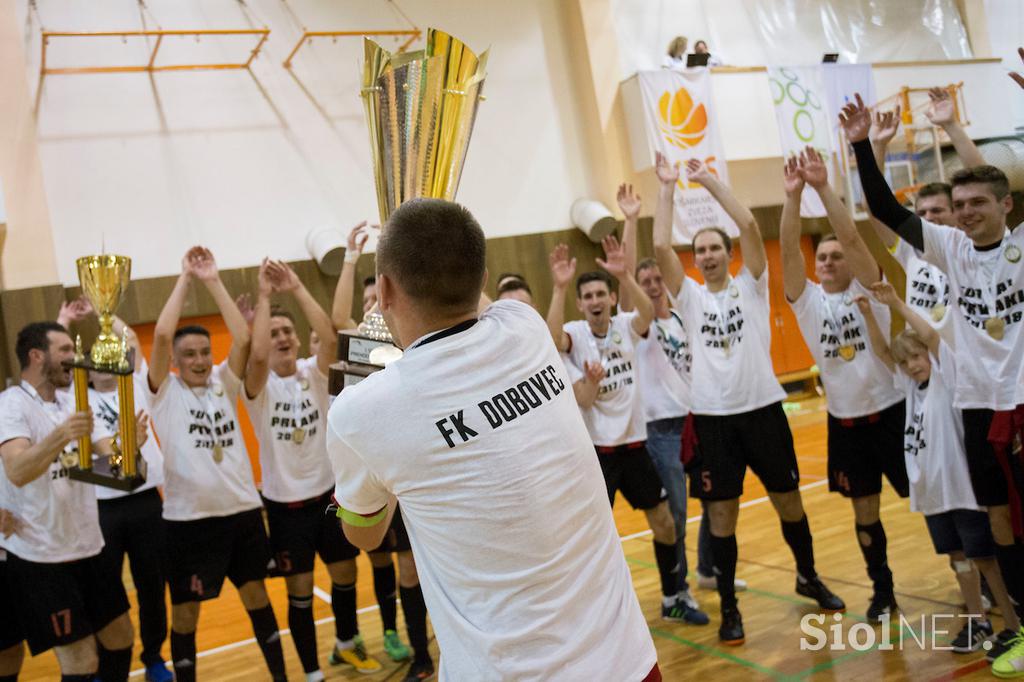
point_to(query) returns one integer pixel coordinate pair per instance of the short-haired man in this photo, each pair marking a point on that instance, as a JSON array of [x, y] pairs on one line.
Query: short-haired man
[[287, 401], [736, 399], [65, 600], [984, 263], [865, 409], [600, 353], [521, 566], [516, 289], [212, 520]]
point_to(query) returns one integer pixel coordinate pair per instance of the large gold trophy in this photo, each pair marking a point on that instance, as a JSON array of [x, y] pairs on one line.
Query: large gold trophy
[[104, 281], [420, 109]]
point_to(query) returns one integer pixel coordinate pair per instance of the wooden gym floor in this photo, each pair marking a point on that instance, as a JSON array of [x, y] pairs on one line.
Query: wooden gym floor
[[771, 610]]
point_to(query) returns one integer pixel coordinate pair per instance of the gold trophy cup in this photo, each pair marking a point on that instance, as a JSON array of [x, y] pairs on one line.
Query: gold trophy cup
[[104, 281], [420, 109]]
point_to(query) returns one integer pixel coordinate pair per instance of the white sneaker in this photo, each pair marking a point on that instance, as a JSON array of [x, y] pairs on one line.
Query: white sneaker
[[708, 582]]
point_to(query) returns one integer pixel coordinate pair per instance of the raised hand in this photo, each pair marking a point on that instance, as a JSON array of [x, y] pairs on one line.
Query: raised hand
[[1019, 79], [792, 181], [357, 237], [615, 253], [201, 264], [668, 173], [74, 311], [942, 110], [245, 306], [593, 372], [629, 201], [812, 168], [697, 171], [863, 303], [282, 276], [141, 427], [563, 269], [265, 285], [884, 126], [885, 293], [855, 120]]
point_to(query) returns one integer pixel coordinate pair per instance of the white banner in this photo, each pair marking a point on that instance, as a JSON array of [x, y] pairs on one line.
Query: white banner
[[681, 124], [800, 111]]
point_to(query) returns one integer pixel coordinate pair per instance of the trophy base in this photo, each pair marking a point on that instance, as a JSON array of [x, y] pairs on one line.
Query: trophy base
[[345, 374], [104, 474]]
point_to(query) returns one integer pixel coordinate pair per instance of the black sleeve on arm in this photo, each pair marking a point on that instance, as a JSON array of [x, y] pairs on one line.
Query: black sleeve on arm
[[881, 201]]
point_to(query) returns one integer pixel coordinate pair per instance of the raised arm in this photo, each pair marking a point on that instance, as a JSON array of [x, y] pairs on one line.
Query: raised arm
[[855, 121], [942, 113], [341, 309], [815, 174], [563, 269], [257, 369], [754, 257], [794, 270], [74, 311], [586, 389], [629, 204], [879, 344], [887, 295], [668, 261], [204, 268], [167, 324], [285, 280], [616, 266]]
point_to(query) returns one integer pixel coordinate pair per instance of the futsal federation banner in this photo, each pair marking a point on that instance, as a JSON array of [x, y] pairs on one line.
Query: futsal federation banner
[[799, 95], [681, 124]]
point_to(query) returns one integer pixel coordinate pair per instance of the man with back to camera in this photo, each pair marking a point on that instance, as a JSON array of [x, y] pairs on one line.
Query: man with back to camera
[[521, 566], [736, 399], [213, 523]]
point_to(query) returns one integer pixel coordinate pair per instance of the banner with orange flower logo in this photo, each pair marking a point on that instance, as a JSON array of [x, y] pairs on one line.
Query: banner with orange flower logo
[[681, 124]]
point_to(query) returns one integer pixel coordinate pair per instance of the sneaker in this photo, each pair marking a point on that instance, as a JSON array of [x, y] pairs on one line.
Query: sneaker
[[1001, 643], [682, 612], [881, 604], [394, 647], [355, 657], [709, 582], [816, 590], [1011, 663], [730, 632], [158, 672], [971, 638], [420, 670]]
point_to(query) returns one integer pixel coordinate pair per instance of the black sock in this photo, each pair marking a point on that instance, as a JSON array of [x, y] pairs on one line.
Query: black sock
[[300, 622], [415, 611], [798, 537], [1011, 561], [668, 567], [72, 678], [724, 554], [14, 678], [343, 603], [114, 664], [876, 556], [384, 587], [183, 656], [264, 626]]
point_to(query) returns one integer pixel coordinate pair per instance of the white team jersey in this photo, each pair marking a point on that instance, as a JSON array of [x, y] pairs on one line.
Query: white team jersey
[[522, 569], [617, 416], [983, 285], [934, 441], [663, 358], [293, 470], [927, 290], [59, 519], [856, 382], [194, 425], [730, 340], [105, 408]]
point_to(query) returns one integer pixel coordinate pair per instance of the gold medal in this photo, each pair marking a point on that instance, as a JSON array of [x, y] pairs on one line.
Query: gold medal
[[218, 453], [298, 435], [938, 312], [847, 352], [218, 390], [995, 326], [1012, 253], [68, 458], [304, 384]]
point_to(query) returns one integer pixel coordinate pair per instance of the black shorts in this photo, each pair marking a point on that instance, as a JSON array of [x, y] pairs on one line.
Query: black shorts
[[10, 626], [862, 450], [201, 553], [728, 444], [59, 604], [962, 530], [301, 530], [629, 469], [988, 480], [397, 538]]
